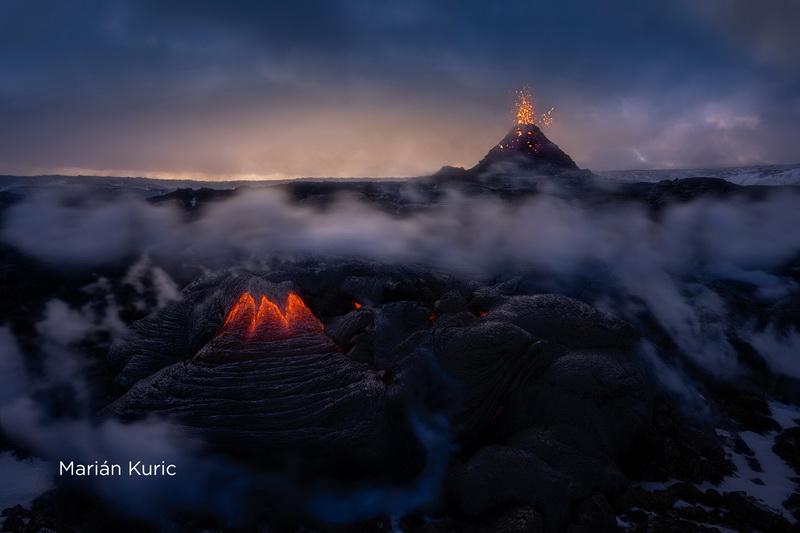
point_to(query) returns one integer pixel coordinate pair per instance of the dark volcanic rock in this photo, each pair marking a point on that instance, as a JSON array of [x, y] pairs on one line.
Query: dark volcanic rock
[[191, 199], [564, 320], [594, 515], [286, 369], [61, 510], [673, 448], [269, 383], [683, 507], [599, 392], [525, 147], [787, 447], [497, 476], [564, 447], [747, 407], [522, 519], [682, 190]]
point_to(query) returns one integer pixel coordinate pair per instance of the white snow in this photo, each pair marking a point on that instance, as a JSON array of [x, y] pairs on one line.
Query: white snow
[[776, 473], [751, 175], [23, 480], [721, 529], [785, 414], [680, 504]]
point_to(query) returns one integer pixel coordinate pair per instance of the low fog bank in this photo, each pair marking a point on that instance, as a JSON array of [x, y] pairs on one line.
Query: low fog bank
[[686, 267]]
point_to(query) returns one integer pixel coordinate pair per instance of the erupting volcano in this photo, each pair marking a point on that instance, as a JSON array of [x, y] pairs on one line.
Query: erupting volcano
[[525, 146]]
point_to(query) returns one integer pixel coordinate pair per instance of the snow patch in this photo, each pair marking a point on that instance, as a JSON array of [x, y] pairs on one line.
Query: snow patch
[[785, 414], [776, 474]]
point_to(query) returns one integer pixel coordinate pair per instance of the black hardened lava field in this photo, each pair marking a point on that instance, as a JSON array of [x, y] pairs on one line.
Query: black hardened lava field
[[520, 346]]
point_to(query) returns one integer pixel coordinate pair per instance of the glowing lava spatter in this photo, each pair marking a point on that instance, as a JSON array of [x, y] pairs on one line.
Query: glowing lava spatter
[[526, 110], [265, 319], [526, 137], [525, 107]]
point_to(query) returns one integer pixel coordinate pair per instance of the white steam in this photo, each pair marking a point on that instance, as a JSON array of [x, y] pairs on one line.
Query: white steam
[[25, 419], [664, 262]]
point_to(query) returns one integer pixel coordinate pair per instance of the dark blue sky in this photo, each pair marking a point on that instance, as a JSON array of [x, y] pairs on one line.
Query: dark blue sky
[[397, 87]]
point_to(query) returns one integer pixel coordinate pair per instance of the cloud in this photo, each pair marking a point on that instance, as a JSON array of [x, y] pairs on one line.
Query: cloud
[[76, 233], [201, 484], [767, 30], [254, 88], [779, 349], [153, 286], [665, 263], [476, 234], [63, 325]]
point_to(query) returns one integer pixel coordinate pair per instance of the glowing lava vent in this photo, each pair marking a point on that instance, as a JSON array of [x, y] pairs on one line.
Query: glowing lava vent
[[267, 326], [259, 318]]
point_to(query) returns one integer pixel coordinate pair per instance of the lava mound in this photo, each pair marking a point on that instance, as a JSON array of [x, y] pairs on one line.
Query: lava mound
[[344, 370]]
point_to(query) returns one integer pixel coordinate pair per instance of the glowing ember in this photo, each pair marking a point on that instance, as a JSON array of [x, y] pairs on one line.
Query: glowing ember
[[525, 107], [547, 118], [526, 110], [266, 318]]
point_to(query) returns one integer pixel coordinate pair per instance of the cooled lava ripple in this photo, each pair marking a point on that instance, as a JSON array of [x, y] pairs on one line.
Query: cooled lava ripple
[[327, 370]]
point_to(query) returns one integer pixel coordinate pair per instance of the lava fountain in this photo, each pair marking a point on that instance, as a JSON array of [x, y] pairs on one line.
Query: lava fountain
[[525, 110]]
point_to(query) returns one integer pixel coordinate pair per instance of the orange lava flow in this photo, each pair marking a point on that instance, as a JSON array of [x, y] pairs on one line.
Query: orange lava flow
[[240, 310], [268, 314], [266, 318]]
